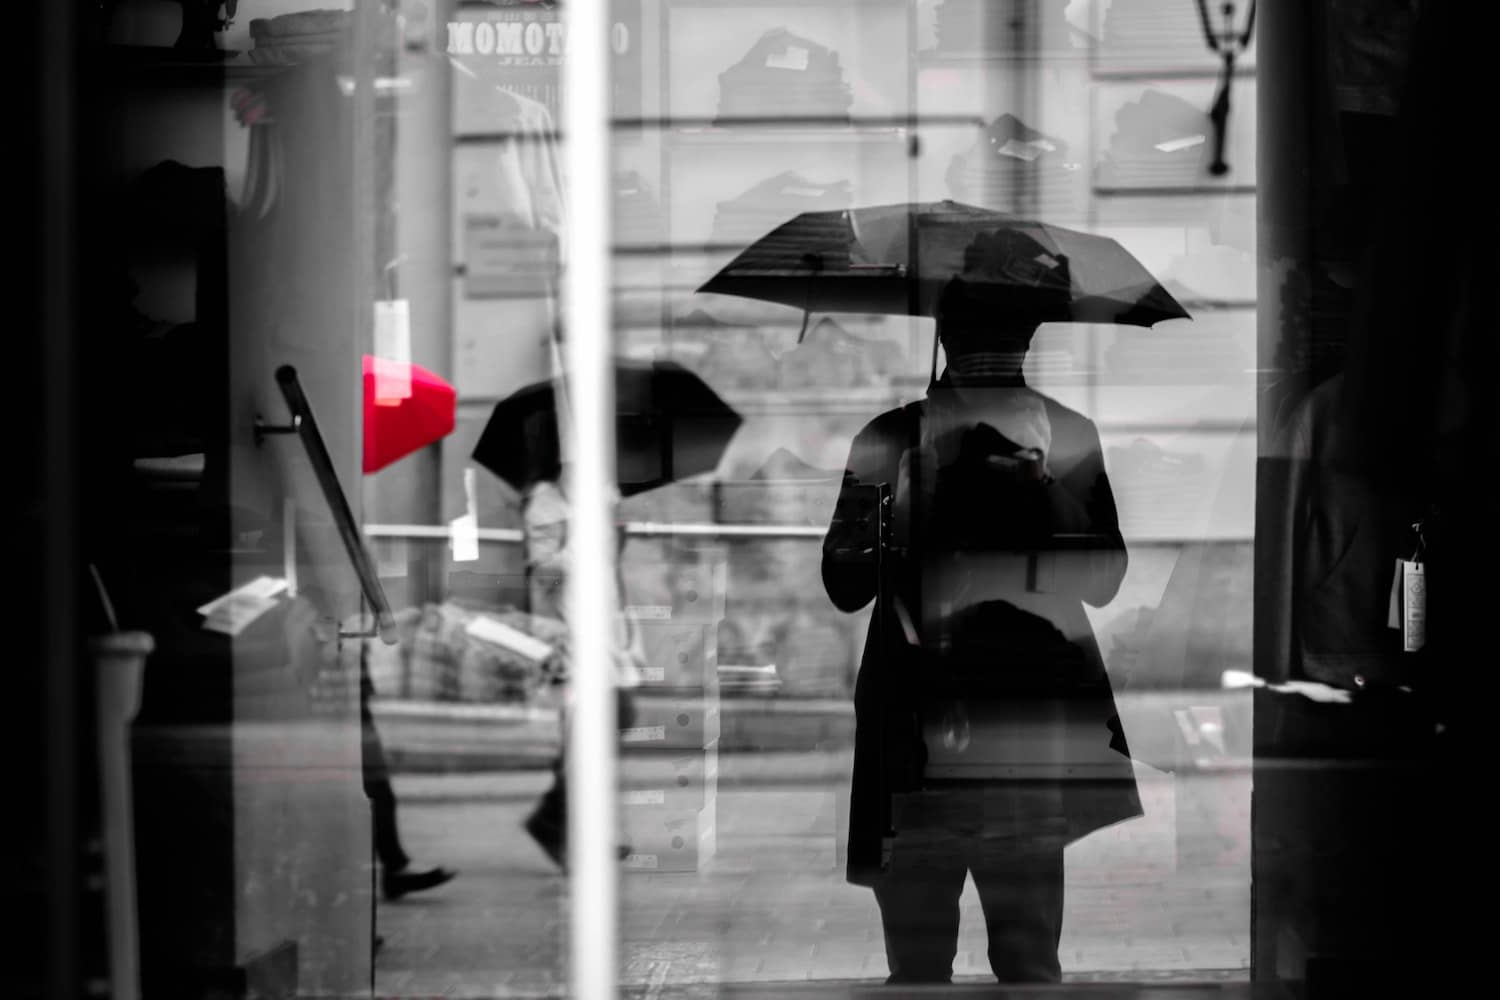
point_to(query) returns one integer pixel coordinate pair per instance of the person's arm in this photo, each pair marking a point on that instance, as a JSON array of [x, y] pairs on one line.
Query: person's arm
[[1087, 557], [849, 548]]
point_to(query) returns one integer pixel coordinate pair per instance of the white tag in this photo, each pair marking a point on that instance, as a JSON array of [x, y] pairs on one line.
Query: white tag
[[646, 797], [392, 344], [1027, 151], [262, 587], [644, 734], [795, 57], [1186, 142], [289, 544], [488, 629], [649, 612], [648, 861], [1047, 260], [233, 613], [1413, 606], [463, 531], [463, 534], [803, 192], [654, 675]]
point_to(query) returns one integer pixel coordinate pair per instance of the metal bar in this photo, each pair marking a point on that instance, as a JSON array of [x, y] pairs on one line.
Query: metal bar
[[592, 828], [343, 516], [750, 532]]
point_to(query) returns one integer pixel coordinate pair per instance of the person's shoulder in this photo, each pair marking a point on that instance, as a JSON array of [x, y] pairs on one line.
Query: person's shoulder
[[1065, 419], [894, 423]]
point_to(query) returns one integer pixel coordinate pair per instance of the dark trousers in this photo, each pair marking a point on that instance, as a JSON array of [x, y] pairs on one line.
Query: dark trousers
[[552, 808], [1020, 883], [377, 782]]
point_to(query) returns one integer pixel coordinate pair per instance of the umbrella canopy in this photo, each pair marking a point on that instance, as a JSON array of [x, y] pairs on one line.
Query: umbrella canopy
[[398, 423], [669, 425], [898, 259]]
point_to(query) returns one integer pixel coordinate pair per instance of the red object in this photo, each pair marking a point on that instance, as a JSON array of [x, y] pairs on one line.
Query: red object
[[396, 427]]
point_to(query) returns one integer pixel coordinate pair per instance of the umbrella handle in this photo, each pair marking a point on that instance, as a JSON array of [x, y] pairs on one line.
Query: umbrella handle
[[815, 262]]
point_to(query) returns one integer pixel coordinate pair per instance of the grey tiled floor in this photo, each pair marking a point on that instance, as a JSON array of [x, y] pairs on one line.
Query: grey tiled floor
[[1164, 895]]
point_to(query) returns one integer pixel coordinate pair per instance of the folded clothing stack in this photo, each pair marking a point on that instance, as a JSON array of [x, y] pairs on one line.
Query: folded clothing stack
[[830, 357], [785, 74], [1159, 141], [760, 210], [1148, 32], [448, 659], [1021, 26], [291, 38], [735, 358], [1014, 168]]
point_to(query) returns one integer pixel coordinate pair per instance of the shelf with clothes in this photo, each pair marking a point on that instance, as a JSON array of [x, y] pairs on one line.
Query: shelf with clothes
[[1158, 135], [751, 63]]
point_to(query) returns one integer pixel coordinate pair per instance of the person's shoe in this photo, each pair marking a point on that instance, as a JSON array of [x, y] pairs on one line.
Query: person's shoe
[[549, 837], [398, 883]]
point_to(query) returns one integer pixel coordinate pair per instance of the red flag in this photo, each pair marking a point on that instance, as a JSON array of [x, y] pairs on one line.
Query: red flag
[[399, 423]]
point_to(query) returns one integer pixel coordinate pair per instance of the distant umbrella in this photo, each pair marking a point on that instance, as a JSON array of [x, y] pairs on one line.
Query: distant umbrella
[[669, 426]]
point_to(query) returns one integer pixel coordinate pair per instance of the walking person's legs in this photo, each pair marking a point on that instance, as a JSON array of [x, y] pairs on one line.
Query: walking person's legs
[[396, 874]]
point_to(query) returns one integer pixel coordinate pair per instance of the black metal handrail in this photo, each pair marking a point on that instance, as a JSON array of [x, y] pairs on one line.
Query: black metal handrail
[[305, 426]]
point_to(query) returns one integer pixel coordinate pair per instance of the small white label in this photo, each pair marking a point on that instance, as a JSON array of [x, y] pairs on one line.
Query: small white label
[[463, 534], [262, 587], [654, 675], [795, 57], [645, 797], [393, 347], [650, 612], [1186, 142], [489, 630], [232, 615], [647, 861], [1413, 606], [1015, 149], [644, 734], [803, 192]]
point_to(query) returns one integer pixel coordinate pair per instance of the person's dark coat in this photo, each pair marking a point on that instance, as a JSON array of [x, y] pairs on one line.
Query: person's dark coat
[[1029, 639]]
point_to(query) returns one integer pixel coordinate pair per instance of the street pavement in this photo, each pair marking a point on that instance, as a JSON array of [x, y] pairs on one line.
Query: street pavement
[[1163, 897]]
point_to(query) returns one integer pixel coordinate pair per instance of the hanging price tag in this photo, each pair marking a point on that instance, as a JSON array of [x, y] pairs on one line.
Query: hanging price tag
[[463, 532], [392, 346], [1413, 606]]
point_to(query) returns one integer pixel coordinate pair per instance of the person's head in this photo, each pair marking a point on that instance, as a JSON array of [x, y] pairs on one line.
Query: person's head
[[980, 338], [988, 315]]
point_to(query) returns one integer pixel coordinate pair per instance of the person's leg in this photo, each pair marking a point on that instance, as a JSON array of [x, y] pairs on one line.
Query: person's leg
[[918, 898], [396, 875], [377, 782], [1021, 892]]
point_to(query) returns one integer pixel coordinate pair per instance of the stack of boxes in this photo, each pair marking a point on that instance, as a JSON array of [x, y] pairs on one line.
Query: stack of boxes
[[669, 762]]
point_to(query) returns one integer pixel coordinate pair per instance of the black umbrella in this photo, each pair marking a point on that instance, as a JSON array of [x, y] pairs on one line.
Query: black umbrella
[[669, 425], [899, 259]]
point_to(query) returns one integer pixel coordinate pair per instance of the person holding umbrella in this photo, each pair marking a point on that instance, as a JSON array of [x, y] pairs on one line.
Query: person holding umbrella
[[986, 733], [669, 425]]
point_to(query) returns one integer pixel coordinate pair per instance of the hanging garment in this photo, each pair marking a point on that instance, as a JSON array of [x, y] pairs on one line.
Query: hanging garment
[[513, 246], [1335, 545]]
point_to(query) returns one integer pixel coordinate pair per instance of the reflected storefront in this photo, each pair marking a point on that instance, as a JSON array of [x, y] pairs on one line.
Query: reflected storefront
[[986, 457]]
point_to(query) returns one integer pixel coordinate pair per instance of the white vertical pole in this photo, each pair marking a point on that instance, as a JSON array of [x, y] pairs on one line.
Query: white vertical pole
[[591, 734]]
